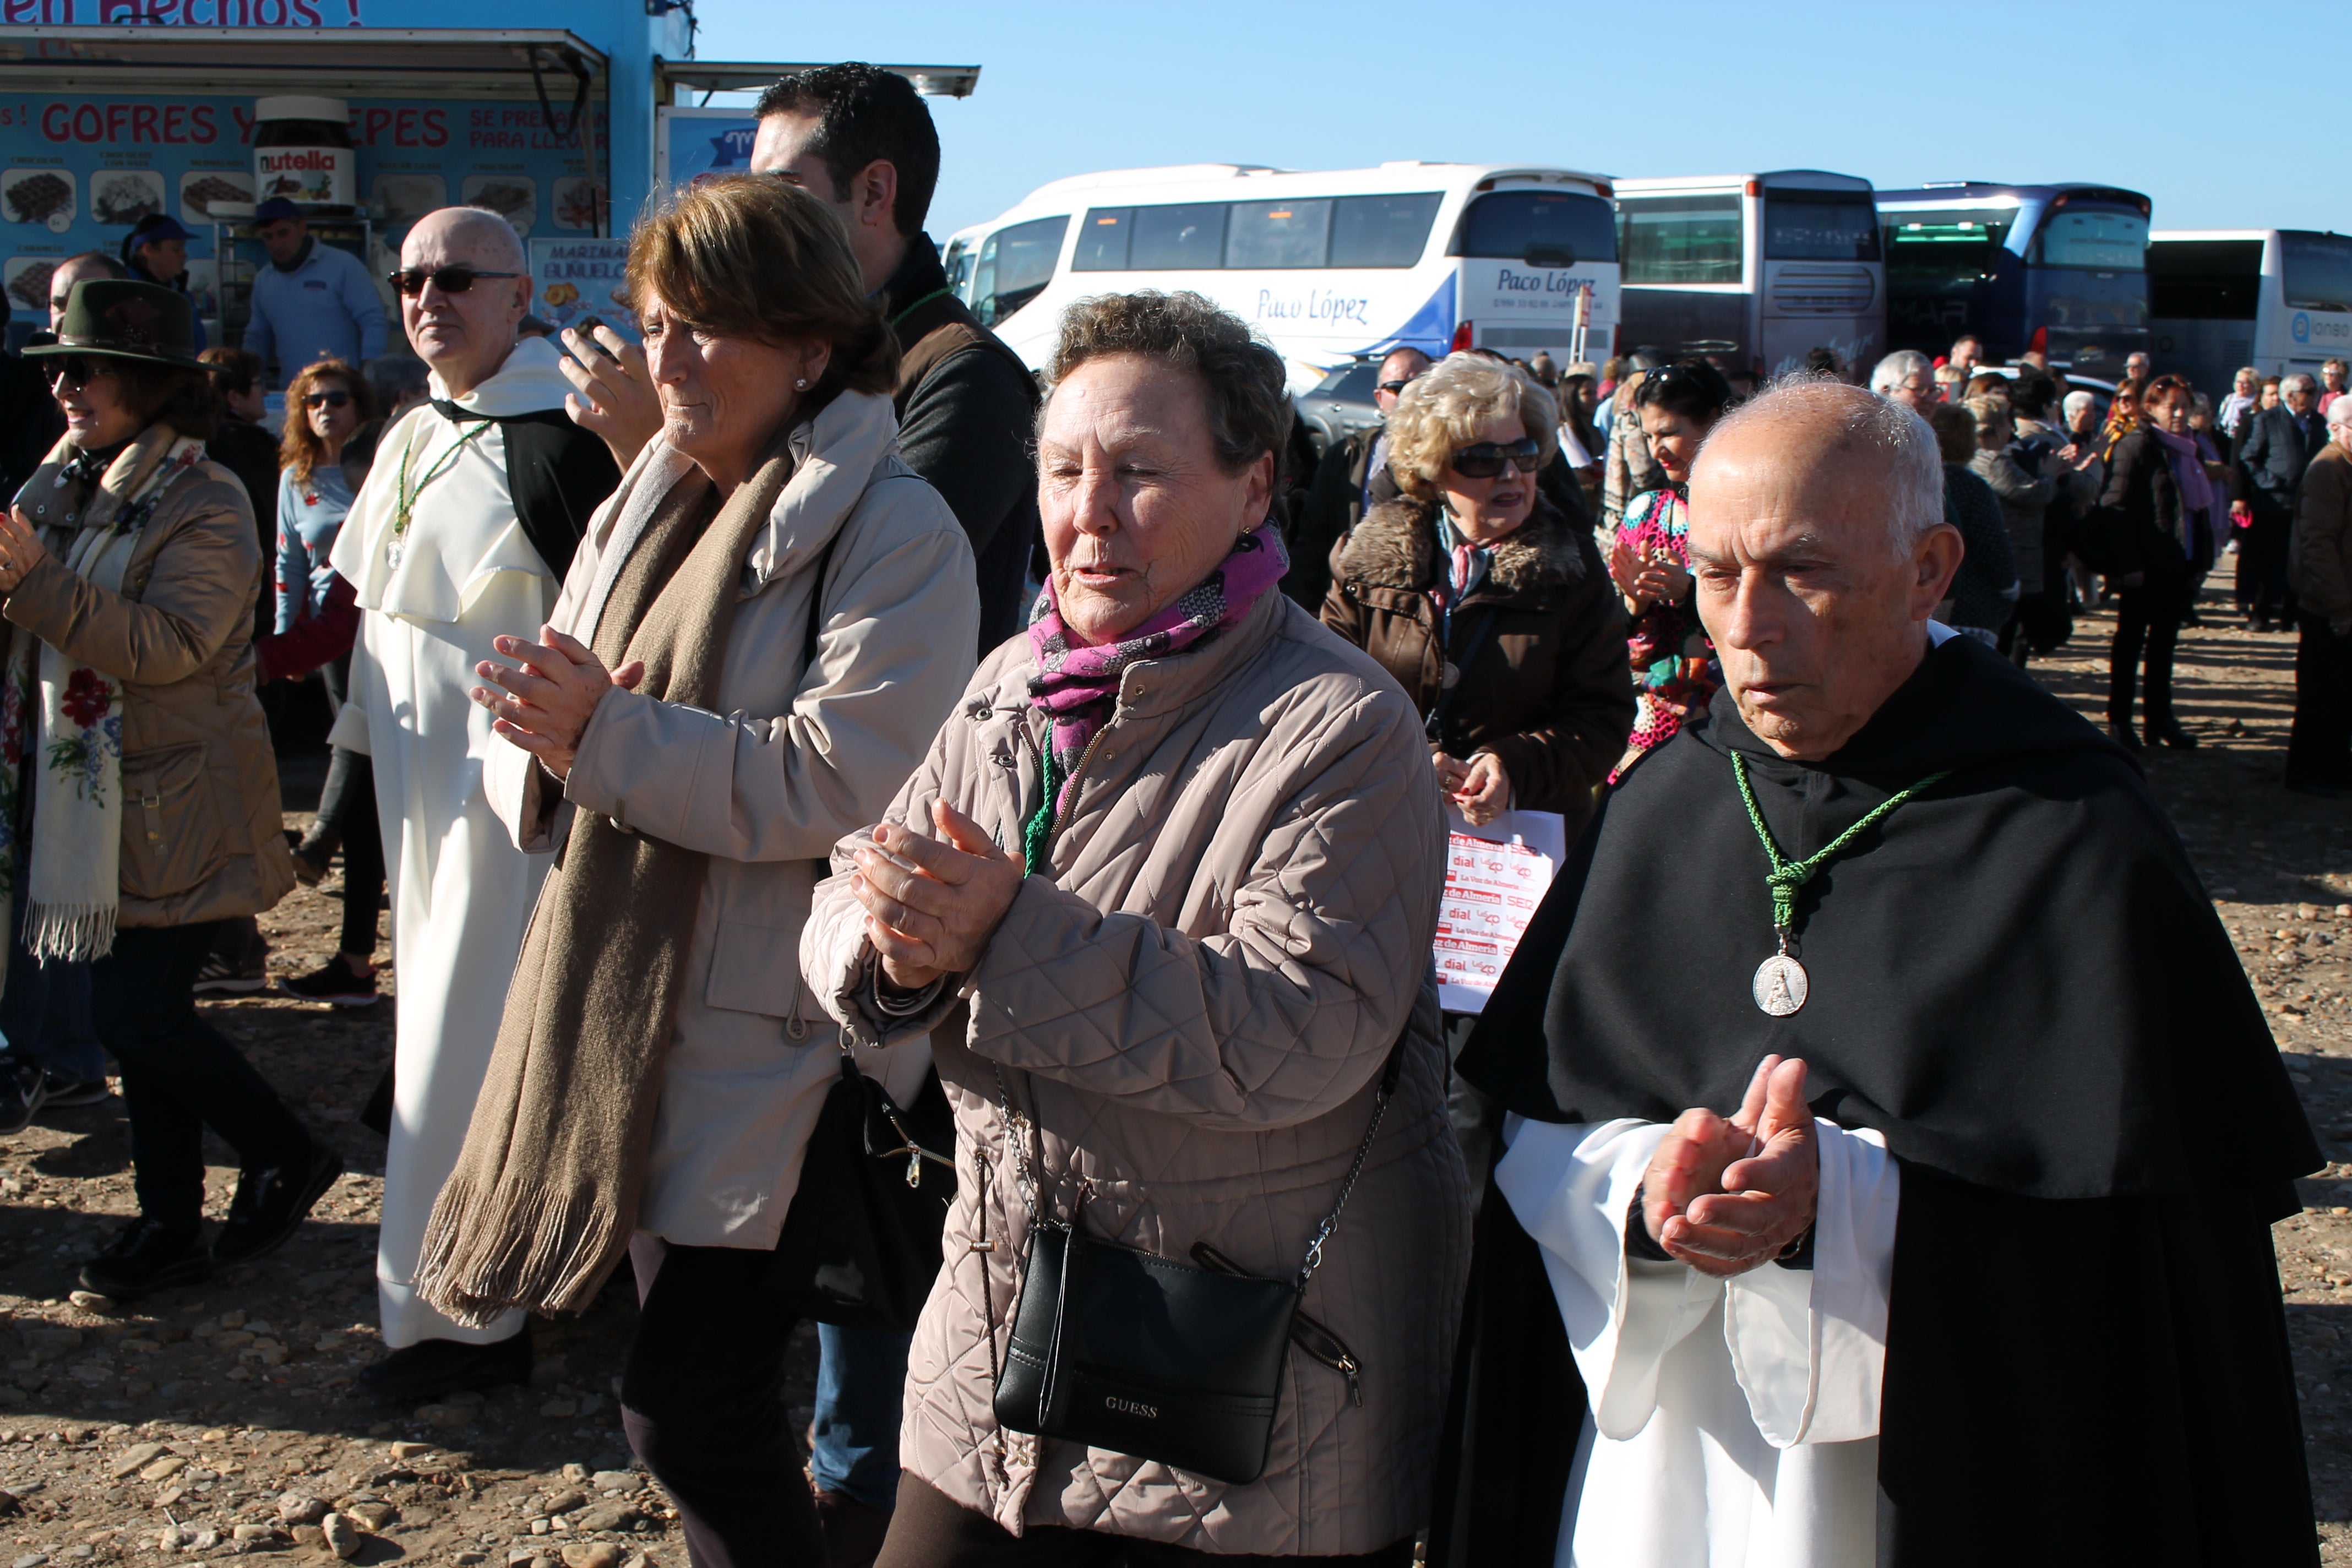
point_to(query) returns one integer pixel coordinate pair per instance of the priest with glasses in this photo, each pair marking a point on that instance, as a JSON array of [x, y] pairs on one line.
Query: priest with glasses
[[1893, 1138]]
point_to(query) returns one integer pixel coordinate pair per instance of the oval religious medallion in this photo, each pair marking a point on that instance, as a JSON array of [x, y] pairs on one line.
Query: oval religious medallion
[[1780, 986]]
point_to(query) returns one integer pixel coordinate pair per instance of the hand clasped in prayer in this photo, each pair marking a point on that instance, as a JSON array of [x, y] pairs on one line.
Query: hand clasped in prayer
[[548, 700], [1729, 1195], [931, 906]]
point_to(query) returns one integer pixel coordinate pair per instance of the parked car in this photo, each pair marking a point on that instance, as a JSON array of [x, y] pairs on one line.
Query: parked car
[[1340, 403]]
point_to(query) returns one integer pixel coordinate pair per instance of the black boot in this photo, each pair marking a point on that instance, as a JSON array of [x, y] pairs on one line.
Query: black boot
[[271, 1203], [146, 1257], [430, 1368], [2168, 732], [2121, 730]]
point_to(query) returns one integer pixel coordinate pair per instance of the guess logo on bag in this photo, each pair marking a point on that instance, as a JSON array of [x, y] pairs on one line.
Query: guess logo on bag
[[1130, 1407]]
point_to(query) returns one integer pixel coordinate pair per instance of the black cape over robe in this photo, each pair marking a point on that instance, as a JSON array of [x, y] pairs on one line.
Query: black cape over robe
[[2016, 978]]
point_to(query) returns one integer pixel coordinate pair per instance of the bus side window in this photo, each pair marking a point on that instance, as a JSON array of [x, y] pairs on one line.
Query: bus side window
[[1102, 240], [1382, 231], [1680, 239], [1187, 237], [1015, 265]]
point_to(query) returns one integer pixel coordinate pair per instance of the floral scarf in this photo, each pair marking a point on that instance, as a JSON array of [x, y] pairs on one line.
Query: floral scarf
[[1077, 683], [68, 717]]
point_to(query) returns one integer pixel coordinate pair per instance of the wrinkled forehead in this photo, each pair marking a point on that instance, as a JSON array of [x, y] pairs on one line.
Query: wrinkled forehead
[[460, 239], [1756, 490]]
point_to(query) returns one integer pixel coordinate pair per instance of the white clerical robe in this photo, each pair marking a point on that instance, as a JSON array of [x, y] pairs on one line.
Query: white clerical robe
[[1732, 1424], [461, 891]]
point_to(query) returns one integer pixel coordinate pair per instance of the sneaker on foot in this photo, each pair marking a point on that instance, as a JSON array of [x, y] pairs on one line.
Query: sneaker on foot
[[58, 1090], [148, 1255], [334, 982], [270, 1205], [23, 1092], [239, 960]]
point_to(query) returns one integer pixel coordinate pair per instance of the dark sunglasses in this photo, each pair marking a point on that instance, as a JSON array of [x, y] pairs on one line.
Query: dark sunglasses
[[1396, 386], [78, 370], [1485, 460], [335, 399], [448, 279]]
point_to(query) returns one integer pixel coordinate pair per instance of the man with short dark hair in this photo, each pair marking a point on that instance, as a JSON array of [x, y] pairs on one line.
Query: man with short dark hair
[[1352, 477], [1965, 355], [862, 139], [313, 301]]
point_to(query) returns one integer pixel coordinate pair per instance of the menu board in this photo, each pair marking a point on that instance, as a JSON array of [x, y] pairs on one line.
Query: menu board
[[1495, 878], [692, 144], [76, 170]]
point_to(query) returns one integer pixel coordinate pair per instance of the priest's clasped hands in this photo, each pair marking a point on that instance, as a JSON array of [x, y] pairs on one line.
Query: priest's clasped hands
[[1726, 1196]]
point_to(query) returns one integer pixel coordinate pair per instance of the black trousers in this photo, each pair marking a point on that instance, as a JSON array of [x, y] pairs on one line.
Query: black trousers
[[932, 1529], [2262, 588], [180, 1075], [2147, 622], [702, 1399], [2319, 747], [347, 805]]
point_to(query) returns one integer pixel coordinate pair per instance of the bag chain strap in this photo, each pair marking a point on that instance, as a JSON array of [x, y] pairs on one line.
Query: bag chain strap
[[1017, 1133]]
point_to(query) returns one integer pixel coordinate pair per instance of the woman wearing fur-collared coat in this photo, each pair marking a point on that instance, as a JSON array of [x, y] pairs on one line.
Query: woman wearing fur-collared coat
[[1490, 608]]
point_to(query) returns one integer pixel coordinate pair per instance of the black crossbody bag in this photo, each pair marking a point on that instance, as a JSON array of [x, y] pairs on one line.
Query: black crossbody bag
[[1139, 1354]]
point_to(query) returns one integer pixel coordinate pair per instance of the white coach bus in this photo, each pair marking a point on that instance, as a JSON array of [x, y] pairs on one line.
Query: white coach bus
[[1753, 269], [1331, 267], [2278, 299]]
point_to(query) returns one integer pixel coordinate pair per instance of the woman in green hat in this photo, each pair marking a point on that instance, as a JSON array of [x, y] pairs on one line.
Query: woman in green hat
[[138, 793]]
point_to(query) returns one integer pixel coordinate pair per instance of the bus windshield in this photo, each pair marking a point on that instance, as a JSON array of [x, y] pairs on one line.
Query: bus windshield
[[2104, 239], [1541, 228], [1680, 239], [1819, 225], [2318, 271], [1945, 247]]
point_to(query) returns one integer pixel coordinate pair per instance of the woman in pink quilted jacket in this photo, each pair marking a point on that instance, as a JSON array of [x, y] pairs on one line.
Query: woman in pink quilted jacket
[[1161, 896]]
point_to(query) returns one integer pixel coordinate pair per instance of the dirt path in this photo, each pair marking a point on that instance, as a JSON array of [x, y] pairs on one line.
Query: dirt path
[[234, 1398]]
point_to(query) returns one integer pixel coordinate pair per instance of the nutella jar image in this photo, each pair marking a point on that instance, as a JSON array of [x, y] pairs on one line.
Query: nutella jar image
[[303, 150]]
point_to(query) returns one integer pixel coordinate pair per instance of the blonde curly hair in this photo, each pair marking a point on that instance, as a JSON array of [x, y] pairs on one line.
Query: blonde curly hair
[[1461, 395]]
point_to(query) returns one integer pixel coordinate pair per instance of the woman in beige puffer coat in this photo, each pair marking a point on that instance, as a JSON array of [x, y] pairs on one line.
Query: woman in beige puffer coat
[[1187, 1006]]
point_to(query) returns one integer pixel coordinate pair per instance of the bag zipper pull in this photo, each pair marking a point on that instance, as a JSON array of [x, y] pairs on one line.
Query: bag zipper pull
[[1348, 1369], [914, 1165]]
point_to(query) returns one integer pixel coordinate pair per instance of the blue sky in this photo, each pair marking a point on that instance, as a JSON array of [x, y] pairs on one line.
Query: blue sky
[[2214, 109]]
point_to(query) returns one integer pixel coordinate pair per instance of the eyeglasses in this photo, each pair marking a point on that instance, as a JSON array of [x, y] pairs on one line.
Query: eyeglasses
[[78, 371], [1485, 460], [448, 279], [335, 399], [1394, 387]]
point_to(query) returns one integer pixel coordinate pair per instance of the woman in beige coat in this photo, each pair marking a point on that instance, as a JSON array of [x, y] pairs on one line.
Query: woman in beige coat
[[786, 612], [141, 795], [1162, 895]]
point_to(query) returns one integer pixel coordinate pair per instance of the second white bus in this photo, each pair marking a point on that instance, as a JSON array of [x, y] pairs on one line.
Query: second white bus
[[1329, 266], [2279, 300], [1754, 270]]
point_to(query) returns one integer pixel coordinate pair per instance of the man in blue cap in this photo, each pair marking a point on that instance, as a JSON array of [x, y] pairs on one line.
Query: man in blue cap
[[156, 251], [312, 301]]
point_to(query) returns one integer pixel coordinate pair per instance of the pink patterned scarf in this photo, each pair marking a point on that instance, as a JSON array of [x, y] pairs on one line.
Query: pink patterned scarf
[[1077, 683]]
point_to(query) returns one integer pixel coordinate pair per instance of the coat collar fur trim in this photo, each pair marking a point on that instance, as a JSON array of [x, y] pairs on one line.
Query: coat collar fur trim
[[1395, 546]]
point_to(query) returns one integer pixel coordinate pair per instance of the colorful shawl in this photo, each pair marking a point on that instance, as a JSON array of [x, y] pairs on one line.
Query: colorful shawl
[[1077, 683], [69, 718]]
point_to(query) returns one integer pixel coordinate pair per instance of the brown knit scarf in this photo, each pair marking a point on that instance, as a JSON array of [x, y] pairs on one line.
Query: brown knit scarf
[[543, 1200]]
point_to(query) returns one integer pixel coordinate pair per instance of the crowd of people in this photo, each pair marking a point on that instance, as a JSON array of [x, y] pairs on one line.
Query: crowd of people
[[799, 718]]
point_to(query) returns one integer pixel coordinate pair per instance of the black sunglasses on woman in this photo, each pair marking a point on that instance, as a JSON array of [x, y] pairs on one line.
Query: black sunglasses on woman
[[1485, 460]]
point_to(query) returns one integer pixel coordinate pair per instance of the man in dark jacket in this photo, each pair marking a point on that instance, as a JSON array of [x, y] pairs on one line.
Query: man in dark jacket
[[861, 139], [1342, 489], [2279, 445]]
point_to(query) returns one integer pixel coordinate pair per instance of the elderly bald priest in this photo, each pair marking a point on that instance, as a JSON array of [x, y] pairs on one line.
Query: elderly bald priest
[[1894, 1137]]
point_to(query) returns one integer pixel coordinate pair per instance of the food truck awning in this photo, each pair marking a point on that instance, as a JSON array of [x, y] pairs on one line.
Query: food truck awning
[[450, 62], [708, 76]]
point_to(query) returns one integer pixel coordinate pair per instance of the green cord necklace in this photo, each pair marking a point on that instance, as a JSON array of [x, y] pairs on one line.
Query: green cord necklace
[[1781, 985], [405, 495]]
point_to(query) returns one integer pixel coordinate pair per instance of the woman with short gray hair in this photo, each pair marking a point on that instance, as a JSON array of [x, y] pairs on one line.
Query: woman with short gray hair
[[1163, 895]]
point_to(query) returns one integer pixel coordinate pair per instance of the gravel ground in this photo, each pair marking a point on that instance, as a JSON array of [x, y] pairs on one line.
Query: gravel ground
[[219, 1419]]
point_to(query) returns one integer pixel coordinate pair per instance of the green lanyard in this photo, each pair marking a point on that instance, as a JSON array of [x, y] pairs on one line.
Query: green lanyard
[[404, 495], [1787, 876]]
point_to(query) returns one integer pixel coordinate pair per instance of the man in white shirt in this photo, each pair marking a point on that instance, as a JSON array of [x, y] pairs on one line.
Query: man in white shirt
[[447, 549]]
